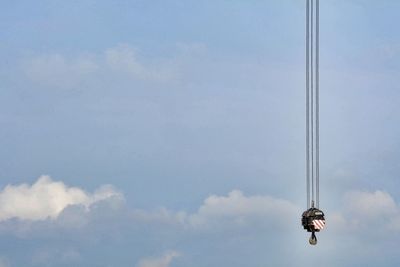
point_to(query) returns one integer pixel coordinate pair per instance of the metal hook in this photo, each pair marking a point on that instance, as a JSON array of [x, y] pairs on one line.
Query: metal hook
[[313, 239]]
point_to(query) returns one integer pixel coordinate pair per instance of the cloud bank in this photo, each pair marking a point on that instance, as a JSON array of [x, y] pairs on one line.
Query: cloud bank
[[222, 224], [363, 210], [241, 210], [47, 199]]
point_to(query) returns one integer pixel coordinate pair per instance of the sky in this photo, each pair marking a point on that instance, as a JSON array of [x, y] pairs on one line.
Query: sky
[[172, 133]]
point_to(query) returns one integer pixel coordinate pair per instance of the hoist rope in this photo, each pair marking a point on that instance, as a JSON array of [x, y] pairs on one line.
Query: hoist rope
[[307, 102], [317, 105], [312, 98], [312, 102]]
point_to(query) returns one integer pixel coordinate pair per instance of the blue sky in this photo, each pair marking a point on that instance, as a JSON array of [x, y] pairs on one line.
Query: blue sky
[[171, 133]]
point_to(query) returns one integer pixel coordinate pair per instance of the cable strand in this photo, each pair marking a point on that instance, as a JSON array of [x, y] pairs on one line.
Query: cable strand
[[317, 105], [312, 99], [307, 102]]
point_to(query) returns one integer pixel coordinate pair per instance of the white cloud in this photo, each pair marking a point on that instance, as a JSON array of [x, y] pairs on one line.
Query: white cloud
[[46, 199], [370, 204], [239, 209], [124, 59], [58, 70], [363, 211], [235, 210], [163, 261]]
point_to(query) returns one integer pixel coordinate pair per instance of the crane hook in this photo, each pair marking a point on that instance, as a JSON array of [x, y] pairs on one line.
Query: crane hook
[[313, 239]]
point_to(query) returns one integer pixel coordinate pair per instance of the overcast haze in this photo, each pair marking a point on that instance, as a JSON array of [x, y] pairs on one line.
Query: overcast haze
[[171, 134]]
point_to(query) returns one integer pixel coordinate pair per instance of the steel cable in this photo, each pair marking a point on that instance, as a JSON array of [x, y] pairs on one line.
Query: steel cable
[[312, 98], [307, 102], [317, 106], [312, 102]]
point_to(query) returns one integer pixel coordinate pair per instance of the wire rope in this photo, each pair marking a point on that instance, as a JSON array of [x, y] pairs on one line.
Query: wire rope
[[308, 102], [312, 96], [312, 102], [317, 105]]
